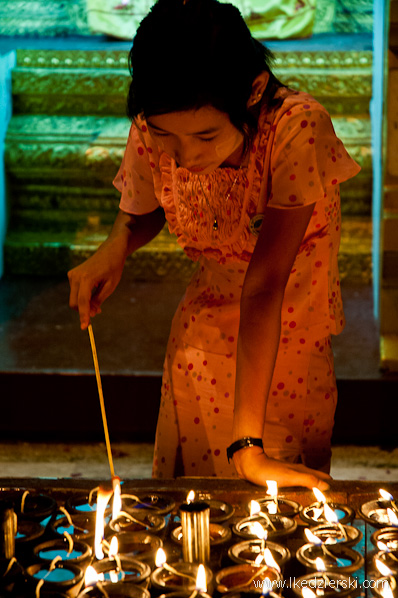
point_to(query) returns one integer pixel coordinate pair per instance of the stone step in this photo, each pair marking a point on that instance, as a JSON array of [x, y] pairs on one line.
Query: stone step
[[50, 253], [68, 131]]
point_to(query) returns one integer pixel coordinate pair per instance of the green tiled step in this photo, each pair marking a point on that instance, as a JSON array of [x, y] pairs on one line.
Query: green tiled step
[[53, 253], [60, 168]]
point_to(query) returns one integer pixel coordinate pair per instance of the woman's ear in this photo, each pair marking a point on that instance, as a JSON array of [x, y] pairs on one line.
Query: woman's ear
[[258, 88]]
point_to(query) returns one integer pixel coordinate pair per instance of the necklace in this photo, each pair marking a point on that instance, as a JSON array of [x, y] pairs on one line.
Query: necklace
[[215, 221]]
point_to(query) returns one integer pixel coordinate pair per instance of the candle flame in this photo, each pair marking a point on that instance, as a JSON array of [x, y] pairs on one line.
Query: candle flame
[[320, 565], [92, 577], [316, 513], [270, 561], [330, 515], [201, 583], [392, 517], [311, 537], [117, 500], [318, 495], [113, 547], [272, 488], [160, 557], [308, 593], [254, 508], [383, 568], [383, 547], [267, 586], [259, 559], [386, 495], [257, 530], [103, 498], [386, 591], [272, 508], [190, 496]]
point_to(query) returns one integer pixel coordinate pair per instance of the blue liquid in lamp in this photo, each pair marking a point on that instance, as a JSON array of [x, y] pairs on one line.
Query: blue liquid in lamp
[[340, 513], [70, 530], [85, 507], [56, 575], [51, 554], [344, 562]]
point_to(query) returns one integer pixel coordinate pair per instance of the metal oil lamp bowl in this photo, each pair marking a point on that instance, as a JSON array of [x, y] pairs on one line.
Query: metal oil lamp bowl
[[278, 527], [248, 551], [344, 534], [387, 535], [246, 577], [327, 584], [64, 577], [139, 545], [339, 558], [375, 512], [84, 503], [285, 506], [379, 584], [28, 533], [155, 503], [131, 570], [220, 511], [122, 589], [83, 528], [314, 514], [30, 506], [182, 577], [79, 554], [137, 522], [388, 558]]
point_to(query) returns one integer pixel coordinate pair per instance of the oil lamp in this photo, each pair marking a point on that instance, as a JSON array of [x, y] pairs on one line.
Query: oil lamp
[[199, 591], [178, 576], [381, 511], [315, 513], [325, 583], [248, 550], [156, 503], [249, 576], [277, 504], [333, 531], [339, 558], [276, 525], [388, 536]]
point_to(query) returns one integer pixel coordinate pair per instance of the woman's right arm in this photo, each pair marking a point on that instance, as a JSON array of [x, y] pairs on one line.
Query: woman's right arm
[[94, 280]]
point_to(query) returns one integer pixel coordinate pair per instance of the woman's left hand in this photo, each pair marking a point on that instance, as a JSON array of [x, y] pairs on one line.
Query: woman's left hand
[[255, 466]]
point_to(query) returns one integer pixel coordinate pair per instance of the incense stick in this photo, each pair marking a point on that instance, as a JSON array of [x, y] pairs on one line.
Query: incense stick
[[101, 399]]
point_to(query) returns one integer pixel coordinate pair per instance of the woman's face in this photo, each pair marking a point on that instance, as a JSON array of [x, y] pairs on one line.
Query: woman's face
[[200, 140]]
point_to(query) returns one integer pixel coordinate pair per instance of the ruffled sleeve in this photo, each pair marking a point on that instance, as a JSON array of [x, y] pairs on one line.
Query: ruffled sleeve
[[138, 178], [307, 157]]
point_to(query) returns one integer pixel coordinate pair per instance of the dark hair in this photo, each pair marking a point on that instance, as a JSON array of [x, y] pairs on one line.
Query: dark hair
[[194, 54]]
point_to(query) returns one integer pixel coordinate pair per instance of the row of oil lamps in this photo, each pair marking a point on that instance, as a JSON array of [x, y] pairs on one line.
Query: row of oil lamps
[[109, 544]]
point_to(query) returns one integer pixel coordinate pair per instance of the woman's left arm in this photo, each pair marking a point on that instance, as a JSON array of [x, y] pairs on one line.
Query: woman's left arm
[[259, 334]]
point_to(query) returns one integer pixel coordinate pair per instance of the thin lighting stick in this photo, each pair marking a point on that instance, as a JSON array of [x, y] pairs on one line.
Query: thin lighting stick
[[101, 399]]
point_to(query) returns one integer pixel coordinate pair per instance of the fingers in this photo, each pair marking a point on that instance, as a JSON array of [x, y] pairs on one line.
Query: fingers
[[258, 468], [80, 298]]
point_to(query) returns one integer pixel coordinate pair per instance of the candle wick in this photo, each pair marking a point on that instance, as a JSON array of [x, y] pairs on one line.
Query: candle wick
[[267, 518], [171, 569]]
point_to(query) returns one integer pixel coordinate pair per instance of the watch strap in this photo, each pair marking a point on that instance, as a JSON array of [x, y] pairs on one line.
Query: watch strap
[[245, 442]]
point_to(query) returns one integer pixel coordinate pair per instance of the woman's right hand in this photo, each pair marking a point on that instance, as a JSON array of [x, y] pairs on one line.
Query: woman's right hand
[[93, 281], [255, 466]]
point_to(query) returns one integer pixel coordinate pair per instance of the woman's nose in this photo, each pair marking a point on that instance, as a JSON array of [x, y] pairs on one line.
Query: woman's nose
[[186, 154]]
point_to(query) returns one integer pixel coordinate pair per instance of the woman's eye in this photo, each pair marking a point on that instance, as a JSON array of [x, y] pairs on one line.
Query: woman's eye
[[159, 134], [205, 139]]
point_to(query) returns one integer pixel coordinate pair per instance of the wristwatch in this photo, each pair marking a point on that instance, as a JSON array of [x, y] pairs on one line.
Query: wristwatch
[[245, 442]]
